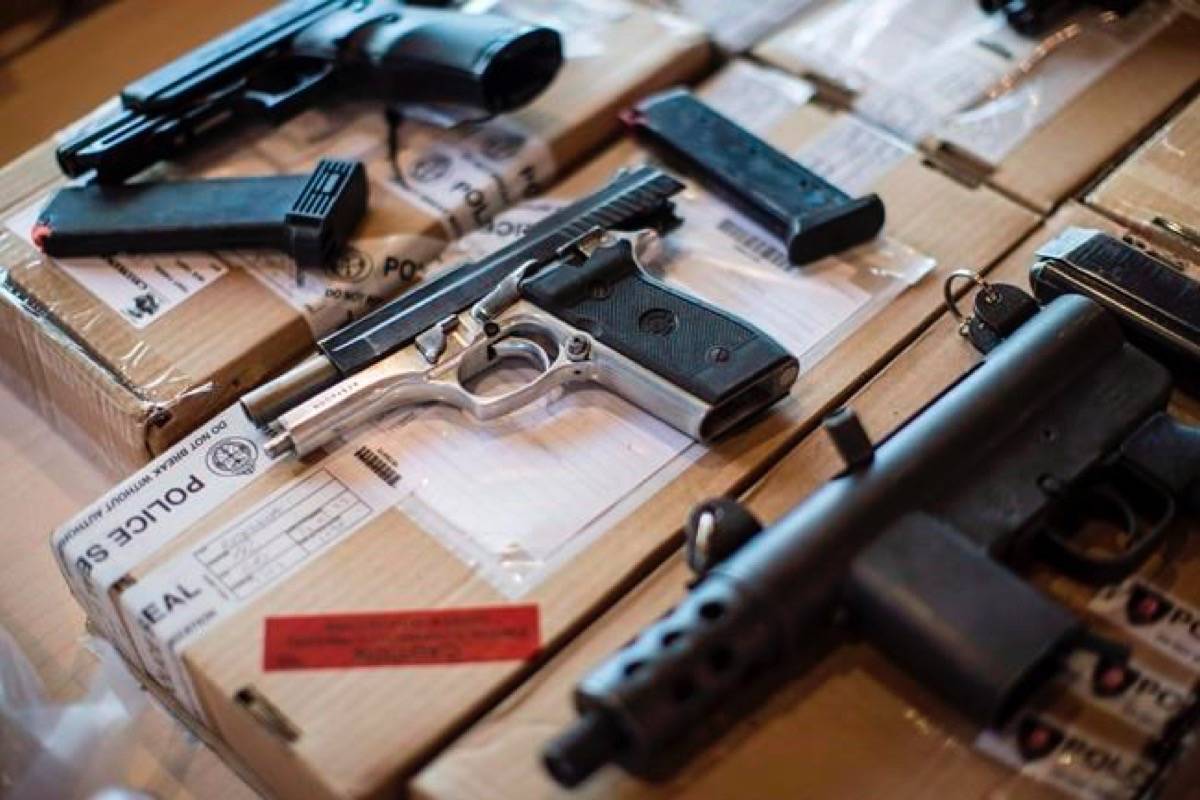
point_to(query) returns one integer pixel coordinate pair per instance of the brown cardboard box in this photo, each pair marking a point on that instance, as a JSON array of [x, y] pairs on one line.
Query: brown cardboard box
[[1156, 191], [360, 732], [853, 725], [1054, 158], [134, 391]]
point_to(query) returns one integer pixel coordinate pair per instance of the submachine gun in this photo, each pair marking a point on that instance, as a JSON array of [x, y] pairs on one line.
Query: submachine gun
[[1064, 421]]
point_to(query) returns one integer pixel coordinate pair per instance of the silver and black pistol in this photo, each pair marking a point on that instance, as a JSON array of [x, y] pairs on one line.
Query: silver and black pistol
[[570, 298]]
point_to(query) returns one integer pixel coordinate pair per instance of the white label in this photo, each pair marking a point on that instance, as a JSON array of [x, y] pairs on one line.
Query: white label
[[462, 176], [852, 155], [1028, 94], [188, 594], [1080, 764], [367, 273], [508, 226], [862, 43], [946, 69], [1137, 694], [466, 176], [754, 96], [516, 496], [146, 511], [1171, 625], [141, 288]]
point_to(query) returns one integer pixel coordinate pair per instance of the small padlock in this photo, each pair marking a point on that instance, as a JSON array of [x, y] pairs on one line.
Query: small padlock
[[999, 309]]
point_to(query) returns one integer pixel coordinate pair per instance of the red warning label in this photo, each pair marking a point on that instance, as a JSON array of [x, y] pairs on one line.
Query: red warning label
[[402, 638]]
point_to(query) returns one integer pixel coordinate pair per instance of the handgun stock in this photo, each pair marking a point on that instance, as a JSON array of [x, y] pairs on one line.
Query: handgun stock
[[484, 62], [731, 369]]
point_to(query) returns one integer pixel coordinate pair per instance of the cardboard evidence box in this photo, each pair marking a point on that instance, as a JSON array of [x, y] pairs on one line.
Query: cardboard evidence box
[[482, 548], [852, 724], [1156, 190], [1035, 119], [132, 353]]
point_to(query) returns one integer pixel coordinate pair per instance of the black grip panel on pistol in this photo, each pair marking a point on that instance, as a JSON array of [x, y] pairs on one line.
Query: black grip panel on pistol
[[708, 353]]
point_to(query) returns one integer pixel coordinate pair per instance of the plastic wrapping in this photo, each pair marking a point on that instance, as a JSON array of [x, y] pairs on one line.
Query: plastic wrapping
[[79, 749], [1156, 191], [515, 497], [946, 71]]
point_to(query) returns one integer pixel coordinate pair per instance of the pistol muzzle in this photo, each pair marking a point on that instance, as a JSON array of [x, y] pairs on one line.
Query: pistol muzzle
[[306, 379]]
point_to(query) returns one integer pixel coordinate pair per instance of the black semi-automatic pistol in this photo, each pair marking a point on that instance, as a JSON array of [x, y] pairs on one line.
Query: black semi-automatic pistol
[[570, 298], [1064, 424], [280, 62]]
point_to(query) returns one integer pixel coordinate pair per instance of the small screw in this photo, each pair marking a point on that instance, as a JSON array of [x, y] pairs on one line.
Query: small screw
[[491, 329], [718, 354]]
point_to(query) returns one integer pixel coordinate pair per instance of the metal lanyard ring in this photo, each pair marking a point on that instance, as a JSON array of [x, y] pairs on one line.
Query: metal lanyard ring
[[948, 290]]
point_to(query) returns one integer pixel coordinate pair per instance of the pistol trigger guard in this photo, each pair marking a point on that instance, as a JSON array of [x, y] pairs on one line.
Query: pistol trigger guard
[[1063, 553], [277, 104], [556, 355]]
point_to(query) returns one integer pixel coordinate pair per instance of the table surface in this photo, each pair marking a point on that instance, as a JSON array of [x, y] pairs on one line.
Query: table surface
[[46, 480]]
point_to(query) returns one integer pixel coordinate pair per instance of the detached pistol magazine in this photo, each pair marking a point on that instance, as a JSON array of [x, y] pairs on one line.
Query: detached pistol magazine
[[812, 217], [569, 298], [1063, 423], [282, 61], [309, 217]]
